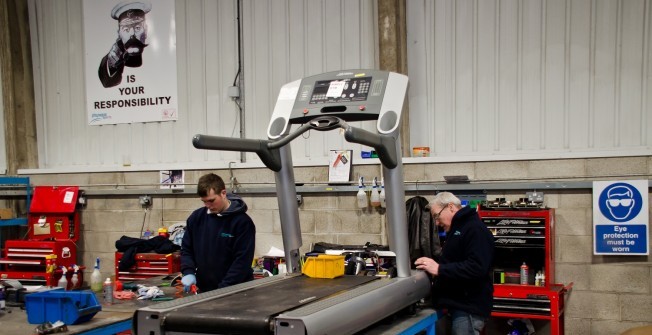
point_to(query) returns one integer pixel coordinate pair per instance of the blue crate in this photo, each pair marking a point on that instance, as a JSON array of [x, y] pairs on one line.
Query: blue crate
[[71, 307]]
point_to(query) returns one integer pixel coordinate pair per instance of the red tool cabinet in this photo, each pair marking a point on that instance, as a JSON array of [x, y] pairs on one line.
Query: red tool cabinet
[[53, 228], [525, 234], [149, 265]]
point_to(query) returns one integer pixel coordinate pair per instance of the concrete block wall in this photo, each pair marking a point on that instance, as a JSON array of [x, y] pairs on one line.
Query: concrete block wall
[[610, 293]]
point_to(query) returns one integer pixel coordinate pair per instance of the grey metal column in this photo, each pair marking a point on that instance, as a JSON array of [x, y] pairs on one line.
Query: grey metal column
[[397, 231], [289, 210]]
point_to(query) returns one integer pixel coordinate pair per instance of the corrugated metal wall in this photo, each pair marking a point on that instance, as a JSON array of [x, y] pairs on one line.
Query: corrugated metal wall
[[512, 78], [282, 41], [490, 79]]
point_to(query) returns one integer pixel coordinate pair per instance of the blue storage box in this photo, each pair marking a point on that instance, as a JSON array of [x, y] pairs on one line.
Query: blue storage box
[[71, 307]]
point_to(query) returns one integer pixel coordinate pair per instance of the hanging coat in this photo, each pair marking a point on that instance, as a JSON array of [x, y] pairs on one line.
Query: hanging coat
[[423, 233]]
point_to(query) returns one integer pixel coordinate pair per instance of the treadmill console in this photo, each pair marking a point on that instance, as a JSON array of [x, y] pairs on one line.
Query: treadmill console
[[351, 95], [340, 91]]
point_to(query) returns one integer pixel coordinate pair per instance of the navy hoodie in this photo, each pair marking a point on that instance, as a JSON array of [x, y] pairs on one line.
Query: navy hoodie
[[464, 280], [219, 248]]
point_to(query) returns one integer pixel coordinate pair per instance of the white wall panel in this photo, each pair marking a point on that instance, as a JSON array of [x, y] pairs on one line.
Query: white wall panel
[[510, 79], [288, 40], [494, 79], [282, 41]]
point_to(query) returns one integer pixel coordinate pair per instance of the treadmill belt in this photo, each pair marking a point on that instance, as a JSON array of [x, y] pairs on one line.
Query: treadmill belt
[[250, 311]]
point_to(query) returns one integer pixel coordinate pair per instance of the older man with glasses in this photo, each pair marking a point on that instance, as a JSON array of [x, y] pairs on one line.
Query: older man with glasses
[[463, 287], [218, 245]]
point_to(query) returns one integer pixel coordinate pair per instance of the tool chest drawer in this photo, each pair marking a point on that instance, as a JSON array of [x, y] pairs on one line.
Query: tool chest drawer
[[148, 265]]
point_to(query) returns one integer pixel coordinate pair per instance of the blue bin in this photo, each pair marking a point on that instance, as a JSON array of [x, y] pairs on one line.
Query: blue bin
[[71, 307]]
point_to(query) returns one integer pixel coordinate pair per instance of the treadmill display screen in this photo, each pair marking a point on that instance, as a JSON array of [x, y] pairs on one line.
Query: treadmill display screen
[[345, 90]]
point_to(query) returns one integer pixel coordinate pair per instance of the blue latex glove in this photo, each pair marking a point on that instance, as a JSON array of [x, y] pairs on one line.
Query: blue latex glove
[[187, 281]]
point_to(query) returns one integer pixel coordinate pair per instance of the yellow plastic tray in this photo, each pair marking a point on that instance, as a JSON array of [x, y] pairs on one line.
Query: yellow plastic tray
[[324, 266]]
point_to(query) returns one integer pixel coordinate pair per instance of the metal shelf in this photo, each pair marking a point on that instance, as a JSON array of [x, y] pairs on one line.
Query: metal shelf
[[411, 187], [13, 222], [17, 186]]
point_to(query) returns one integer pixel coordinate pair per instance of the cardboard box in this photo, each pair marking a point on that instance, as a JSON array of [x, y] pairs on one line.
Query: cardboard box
[[6, 213]]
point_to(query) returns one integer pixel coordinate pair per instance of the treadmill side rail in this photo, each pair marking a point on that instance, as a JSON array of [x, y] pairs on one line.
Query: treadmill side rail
[[354, 310]]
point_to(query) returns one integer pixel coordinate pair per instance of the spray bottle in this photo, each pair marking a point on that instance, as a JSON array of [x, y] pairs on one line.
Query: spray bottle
[[96, 277], [362, 196], [382, 193], [375, 194], [63, 282], [75, 279]]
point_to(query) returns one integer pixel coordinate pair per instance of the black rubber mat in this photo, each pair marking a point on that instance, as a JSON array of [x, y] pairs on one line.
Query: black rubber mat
[[250, 311]]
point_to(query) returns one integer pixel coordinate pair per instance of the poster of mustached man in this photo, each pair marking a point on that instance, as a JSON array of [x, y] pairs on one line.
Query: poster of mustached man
[[130, 61]]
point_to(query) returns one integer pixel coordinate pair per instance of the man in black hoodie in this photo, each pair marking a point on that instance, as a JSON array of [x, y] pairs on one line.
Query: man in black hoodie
[[218, 245], [463, 283]]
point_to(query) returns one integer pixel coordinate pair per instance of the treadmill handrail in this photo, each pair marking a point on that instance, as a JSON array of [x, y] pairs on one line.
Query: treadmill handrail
[[270, 157], [268, 152], [383, 144]]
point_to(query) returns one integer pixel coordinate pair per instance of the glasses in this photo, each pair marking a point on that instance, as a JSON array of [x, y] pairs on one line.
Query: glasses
[[620, 202], [436, 216]]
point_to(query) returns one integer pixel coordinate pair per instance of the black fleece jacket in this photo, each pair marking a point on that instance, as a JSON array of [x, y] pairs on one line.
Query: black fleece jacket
[[219, 248], [464, 280]]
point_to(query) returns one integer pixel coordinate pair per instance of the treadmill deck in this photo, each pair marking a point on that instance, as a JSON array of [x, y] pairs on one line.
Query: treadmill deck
[[252, 311]]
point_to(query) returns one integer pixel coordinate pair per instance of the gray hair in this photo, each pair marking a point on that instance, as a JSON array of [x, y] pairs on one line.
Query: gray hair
[[444, 198]]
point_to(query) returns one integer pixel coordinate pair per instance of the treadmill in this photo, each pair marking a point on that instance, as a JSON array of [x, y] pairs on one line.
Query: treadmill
[[294, 304]]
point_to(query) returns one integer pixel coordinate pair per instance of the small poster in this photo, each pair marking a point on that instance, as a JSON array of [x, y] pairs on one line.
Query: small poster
[[172, 179], [339, 167], [130, 61]]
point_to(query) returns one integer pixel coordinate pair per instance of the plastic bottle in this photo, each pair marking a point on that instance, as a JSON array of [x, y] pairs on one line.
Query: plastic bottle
[[543, 277], [383, 204], [50, 266], [362, 196], [108, 291], [537, 279], [375, 195], [63, 282], [524, 274], [74, 281], [96, 277]]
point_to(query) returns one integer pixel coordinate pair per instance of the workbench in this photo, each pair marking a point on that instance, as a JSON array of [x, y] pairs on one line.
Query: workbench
[[422, 322], [116, 318], [111, 319]]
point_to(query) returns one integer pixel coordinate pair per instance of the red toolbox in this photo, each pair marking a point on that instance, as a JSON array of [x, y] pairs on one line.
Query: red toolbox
[[53, 228], [149, 265], [524, 234]]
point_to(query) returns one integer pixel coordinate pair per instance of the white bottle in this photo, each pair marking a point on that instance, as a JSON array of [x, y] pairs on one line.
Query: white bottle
[[375, 195], [63, 282], [361, 196], [96, 277], [382, 194], [543, 278], [74, 282], [537, 279], [108, 291]]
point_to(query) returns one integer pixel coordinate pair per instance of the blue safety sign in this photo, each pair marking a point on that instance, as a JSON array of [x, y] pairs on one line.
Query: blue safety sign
[[620, 217]]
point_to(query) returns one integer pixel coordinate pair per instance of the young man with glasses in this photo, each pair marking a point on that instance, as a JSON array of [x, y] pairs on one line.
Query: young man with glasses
[[218, 245], [463, 284]]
